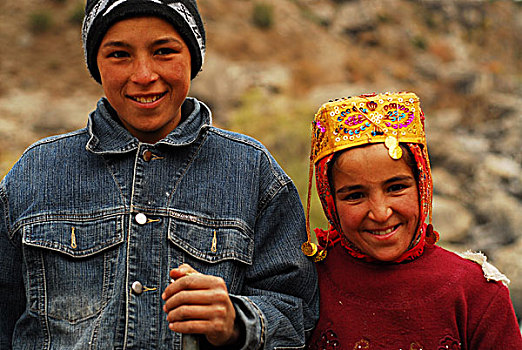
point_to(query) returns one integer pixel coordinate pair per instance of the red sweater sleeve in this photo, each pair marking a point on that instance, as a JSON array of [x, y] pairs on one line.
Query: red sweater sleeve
[[497, 327]]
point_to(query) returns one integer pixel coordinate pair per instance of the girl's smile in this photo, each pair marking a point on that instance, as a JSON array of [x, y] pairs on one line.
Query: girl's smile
[[377, 201]]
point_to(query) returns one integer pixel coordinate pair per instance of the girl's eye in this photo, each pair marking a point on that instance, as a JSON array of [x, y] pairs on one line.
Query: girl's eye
[[118, 54], [352, 196], [397, 187]]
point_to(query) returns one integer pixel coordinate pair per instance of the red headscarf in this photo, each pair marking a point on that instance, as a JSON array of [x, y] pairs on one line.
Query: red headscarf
[[333, 235]]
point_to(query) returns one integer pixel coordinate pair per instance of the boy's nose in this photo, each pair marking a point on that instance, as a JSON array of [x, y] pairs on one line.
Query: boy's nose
[[144, 73]]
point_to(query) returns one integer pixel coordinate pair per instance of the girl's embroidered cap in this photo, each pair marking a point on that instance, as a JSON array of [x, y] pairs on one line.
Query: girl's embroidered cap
[[387, 118]]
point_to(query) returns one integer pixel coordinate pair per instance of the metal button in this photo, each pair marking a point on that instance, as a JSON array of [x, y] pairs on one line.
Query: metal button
[[147, 155], [141, 218], [137, 287]]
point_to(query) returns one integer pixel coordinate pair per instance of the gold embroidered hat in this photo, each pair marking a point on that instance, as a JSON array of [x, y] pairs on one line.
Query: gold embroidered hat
[[387, 118]]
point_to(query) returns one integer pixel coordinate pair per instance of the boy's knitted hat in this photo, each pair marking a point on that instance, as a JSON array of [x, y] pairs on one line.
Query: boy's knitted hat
[[184, 16]]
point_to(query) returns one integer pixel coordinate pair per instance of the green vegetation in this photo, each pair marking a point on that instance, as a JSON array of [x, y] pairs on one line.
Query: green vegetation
[[40, 21], [263, 15], [310, 15], [76, 15], [419, 42], [283, 126]]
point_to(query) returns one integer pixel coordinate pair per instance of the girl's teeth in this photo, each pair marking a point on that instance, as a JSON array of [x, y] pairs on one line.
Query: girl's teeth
[[382, 233]]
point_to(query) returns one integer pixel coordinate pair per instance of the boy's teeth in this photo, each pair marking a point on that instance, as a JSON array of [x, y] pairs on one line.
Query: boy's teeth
[[147, 99], [382, 233]]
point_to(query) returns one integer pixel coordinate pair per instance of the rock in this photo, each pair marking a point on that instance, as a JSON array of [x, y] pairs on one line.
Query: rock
[[500, 217], [446, 184], [324, 93], [442, 121], [427, 66], [460, 153], [355, 17], [451, 219], [502, 167], [463, 81], [223, 82], [503, 124], [322, 10]]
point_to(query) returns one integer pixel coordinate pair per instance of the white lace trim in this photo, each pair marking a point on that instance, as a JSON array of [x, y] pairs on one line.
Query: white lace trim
[[491, 273]]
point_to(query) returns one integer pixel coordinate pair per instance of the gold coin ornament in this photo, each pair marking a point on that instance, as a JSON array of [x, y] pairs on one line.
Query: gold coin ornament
[[309, 248], [395, 152], [391, 142]]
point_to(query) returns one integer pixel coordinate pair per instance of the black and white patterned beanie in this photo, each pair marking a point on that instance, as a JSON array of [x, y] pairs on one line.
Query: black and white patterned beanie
[[184, 15]]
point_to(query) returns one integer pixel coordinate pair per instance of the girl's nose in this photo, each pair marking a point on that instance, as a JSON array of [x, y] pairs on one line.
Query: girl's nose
[[380, 210]]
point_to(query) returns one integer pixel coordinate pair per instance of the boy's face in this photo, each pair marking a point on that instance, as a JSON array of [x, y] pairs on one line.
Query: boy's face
[[145, 68], [377, 201]]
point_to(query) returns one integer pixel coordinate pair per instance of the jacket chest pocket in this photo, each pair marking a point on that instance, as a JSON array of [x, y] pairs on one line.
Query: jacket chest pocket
[[71, 266], [214, 249]]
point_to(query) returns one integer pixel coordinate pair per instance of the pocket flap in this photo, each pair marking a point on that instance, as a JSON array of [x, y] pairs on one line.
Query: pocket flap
[[75, 238], [211, 244]]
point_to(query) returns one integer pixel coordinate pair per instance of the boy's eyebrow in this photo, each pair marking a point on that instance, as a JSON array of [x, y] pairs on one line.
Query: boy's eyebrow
[[167, 40], [115, 43], [162, 41]]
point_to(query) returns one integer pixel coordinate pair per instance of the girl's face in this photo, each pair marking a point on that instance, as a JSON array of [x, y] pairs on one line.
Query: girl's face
[[145, 72], [377, 201]]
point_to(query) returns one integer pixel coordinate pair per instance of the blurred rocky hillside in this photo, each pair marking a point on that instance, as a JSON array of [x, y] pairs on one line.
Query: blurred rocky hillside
[[271, 64]]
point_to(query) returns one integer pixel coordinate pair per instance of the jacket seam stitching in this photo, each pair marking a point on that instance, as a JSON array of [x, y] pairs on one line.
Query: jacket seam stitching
[[279, 176], [36, 219], [182, 174], [3, 198], [107, 166], [56, 138], [44, 318], [269, 197]]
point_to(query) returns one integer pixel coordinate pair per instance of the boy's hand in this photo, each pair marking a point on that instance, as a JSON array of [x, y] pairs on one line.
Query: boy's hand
[[197, 303]]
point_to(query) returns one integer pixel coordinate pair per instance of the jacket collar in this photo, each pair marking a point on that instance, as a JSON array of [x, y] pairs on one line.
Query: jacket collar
[[107, 134]]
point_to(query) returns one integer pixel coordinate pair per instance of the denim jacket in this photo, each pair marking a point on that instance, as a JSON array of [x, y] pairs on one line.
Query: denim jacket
[[91, 223]]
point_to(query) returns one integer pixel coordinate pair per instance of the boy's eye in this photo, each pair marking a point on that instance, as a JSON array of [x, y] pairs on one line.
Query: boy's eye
[[165, 51], [118, 54]]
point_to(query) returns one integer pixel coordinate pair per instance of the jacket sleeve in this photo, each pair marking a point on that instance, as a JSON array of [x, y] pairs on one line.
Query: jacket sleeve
[[12, 295], [497, 327], [279, 304]]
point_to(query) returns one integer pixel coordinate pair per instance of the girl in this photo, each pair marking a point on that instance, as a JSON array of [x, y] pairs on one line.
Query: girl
[[384, 283]]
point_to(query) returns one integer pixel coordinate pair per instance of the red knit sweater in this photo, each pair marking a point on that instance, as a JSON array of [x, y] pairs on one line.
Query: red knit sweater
[[437, 301]]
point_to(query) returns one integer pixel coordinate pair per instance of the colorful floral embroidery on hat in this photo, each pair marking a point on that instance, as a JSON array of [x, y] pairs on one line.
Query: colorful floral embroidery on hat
[[387, 118]]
